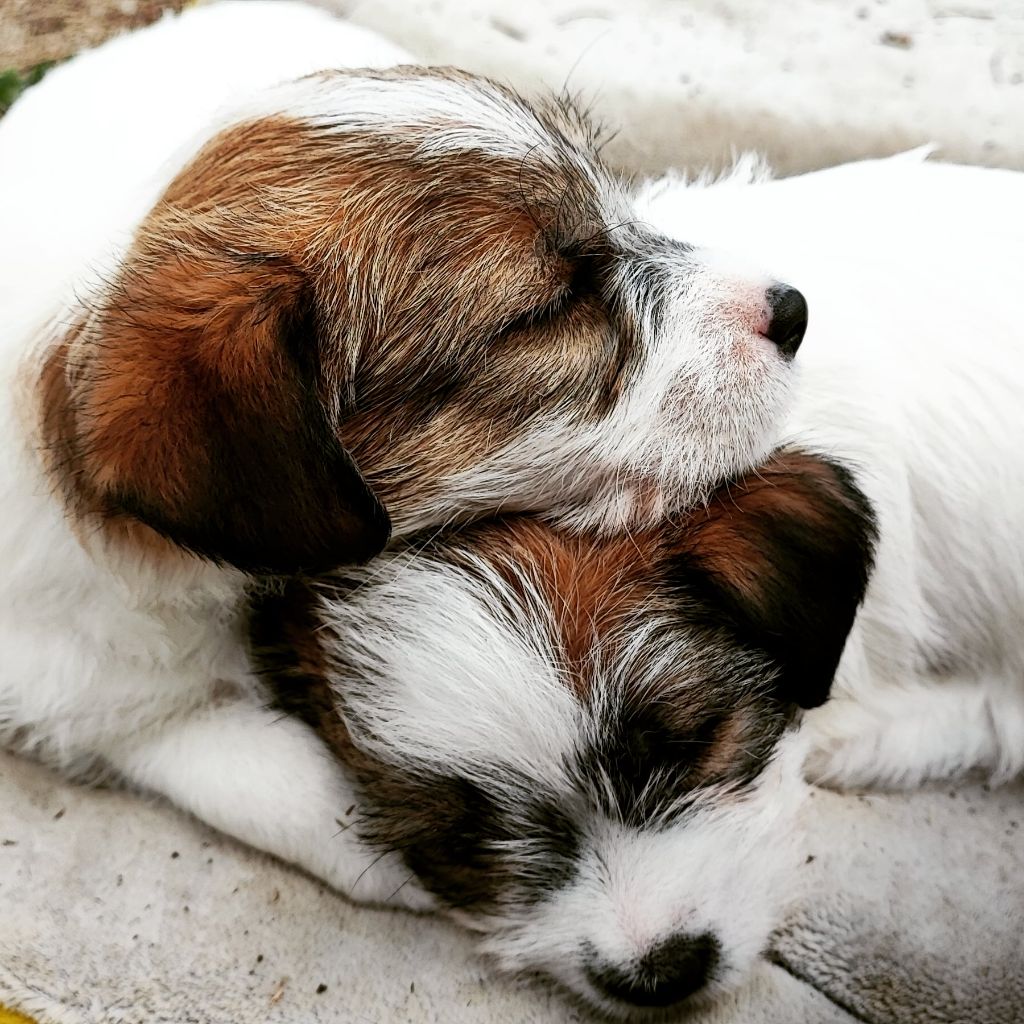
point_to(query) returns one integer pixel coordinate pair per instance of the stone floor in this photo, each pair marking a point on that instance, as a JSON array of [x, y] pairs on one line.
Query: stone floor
[[37, 31]]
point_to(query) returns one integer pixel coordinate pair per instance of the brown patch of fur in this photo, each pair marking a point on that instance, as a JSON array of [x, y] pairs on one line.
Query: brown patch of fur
[[194, 325], [62, 455], [432, 312], [739, 729], [786, 553], [590, 583], [788, 487]]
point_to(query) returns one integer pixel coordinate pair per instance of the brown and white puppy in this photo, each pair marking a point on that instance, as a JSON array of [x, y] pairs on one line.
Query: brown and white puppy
[[580, 745], [400, 298], [265, 316]]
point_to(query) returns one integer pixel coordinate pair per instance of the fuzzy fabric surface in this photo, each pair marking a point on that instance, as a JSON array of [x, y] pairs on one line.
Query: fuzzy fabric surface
[[117, 910], [912, 910]]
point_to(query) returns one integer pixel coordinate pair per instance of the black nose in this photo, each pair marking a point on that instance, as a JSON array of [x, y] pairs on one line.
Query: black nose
[[787, 321], [665, 976]]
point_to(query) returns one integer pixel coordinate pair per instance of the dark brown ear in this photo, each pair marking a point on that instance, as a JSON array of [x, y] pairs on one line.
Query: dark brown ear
[[787, 551], [199, 410]]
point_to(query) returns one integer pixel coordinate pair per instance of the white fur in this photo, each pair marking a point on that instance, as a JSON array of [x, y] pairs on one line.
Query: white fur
[[911, 373], [514, 709], [113, 663], [126, 143], [484, 119]]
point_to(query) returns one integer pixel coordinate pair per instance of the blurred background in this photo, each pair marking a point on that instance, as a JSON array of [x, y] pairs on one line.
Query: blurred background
[[685, 82]]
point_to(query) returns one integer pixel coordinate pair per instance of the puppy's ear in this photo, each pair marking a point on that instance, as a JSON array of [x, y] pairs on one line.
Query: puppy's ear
[[787, 551], [197, 406]]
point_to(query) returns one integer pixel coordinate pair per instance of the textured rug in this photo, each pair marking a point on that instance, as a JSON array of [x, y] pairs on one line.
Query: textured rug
[[117, 910]]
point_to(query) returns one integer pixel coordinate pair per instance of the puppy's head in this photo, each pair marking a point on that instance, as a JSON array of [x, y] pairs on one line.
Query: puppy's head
[[582, 746], [381, 301]]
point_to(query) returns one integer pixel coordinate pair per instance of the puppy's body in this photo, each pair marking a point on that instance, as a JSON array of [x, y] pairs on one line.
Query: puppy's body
[[581, 746], [262, 315], [110, 658], [913, 380]]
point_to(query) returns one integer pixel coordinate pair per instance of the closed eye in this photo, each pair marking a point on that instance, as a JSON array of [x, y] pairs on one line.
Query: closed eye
[[646, 767], [583, 282]]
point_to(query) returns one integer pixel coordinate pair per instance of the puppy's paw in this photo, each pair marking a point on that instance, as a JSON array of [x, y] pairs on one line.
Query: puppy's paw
[[381, 880], [847, 748], [850, 746], [838, 764]]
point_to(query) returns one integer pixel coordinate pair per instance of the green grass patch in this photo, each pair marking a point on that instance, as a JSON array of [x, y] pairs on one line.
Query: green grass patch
[[13, 83]]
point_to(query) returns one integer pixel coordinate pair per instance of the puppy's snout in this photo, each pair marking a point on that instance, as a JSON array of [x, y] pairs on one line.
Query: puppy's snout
[[669, 973], [787, 318]]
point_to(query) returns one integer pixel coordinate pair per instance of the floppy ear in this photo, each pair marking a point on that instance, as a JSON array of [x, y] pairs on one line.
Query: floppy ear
[[788, 550], [198, 408]]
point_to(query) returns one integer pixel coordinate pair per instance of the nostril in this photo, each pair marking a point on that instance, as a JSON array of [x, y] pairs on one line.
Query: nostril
[[668, 974], [787, 320]]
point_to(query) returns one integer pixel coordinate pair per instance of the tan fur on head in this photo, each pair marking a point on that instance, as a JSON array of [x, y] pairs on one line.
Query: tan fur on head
[[301, 303]]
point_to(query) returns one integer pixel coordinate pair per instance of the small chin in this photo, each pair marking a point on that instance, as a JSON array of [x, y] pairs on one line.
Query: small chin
[[684, 473]]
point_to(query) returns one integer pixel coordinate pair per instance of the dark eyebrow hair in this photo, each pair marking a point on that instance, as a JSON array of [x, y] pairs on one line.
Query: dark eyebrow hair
[[654, 750]]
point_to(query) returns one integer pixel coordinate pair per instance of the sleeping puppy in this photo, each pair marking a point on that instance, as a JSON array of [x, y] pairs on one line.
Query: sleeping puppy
[[263, 317], [585, 746], [581, 746]]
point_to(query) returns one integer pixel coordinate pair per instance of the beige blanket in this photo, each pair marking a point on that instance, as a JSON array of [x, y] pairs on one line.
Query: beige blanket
[[114, 909]]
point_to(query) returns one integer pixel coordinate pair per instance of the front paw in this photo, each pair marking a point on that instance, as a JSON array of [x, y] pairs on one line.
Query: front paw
[[846, 749], [835, 764], [378, 879]]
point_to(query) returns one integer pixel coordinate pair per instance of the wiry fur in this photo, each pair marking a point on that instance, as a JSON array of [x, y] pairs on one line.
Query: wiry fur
[[579, 746], [260, 320], [476, 689]]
